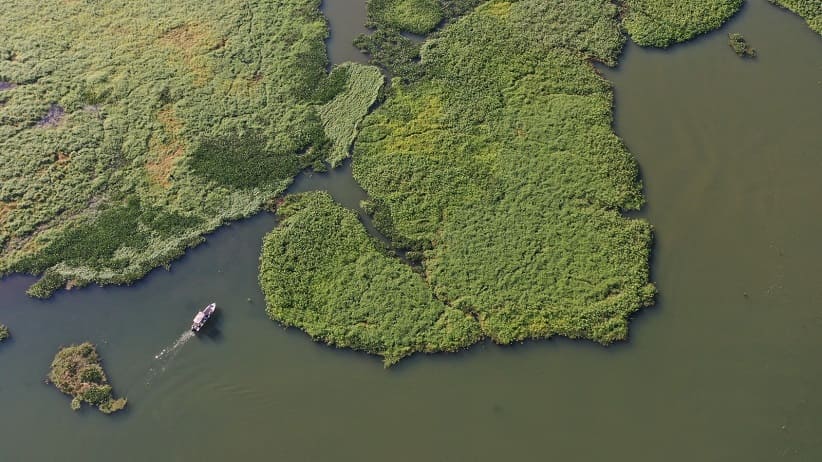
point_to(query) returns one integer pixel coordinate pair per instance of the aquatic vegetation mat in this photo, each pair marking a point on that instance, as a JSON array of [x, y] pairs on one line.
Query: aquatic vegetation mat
[[76, 371], [125, 135], [321, 272]]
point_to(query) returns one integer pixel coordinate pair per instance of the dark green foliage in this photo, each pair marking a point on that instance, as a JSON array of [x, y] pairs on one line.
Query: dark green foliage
[[331, 86], [740, 46], [168, 120], [4, 332], [388, 48], [661, 23], [415, 16], [811, 10], [76, 371], [246, 161], [506, 169], [321, 272]]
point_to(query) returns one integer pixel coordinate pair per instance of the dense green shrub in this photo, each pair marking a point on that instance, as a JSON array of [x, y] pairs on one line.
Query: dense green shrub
[[506, 168], [661, 23], [321, 272], [388, 48], [76, 371], [392, 51], [169, 125], [740, 46], [4, 332], [415, 16], [811, 10]]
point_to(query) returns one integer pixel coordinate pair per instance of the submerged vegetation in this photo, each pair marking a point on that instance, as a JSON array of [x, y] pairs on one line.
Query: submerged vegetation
[[811, 10], [76, 371], [118, 153], [740, 46], [321, 272]]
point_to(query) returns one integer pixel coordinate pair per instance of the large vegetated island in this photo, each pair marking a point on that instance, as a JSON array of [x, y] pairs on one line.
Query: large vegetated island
[[130, 129], [493, 161]]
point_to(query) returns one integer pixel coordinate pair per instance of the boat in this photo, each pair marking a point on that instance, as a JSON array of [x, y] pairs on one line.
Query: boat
[[202, 317]]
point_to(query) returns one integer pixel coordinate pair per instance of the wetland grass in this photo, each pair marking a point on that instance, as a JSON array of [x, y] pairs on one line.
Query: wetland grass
[[120, 152]]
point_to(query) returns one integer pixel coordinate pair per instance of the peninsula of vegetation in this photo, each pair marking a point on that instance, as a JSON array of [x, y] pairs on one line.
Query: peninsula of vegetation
[[125, 134], [76, 371]]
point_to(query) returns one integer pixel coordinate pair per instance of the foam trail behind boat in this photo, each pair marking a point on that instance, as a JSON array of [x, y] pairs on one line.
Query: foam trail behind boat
[[167, 354]]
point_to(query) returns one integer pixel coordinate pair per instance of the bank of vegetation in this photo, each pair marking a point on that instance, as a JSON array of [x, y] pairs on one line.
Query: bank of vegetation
[[76, 371], [661, 23], [126, 135], [321, 272], [811, 10]]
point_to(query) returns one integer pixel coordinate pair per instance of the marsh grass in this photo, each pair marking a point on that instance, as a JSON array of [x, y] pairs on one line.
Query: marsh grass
[[76, 371], [120, 152]]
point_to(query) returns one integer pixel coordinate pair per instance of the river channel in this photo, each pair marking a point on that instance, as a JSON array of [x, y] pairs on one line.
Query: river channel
[[725, 367]]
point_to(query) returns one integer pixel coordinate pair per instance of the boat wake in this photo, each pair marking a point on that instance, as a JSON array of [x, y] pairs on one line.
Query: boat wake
[[166, 355]]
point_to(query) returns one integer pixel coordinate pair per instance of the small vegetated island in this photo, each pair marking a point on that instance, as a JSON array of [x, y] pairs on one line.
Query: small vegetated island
[[76, 371], [130, 129]]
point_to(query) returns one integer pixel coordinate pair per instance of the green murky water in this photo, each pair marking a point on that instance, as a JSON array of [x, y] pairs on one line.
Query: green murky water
[[725, 367]]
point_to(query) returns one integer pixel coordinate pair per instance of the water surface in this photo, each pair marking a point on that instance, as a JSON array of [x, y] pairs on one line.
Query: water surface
[[724, 368]]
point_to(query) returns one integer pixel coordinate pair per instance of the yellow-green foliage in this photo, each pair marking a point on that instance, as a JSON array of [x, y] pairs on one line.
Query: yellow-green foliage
[[321, 272], [417, 16], [502, 166], [129, 129], [76, 371], [811, 10], [662, 23], [342, 115], [4, 332]]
